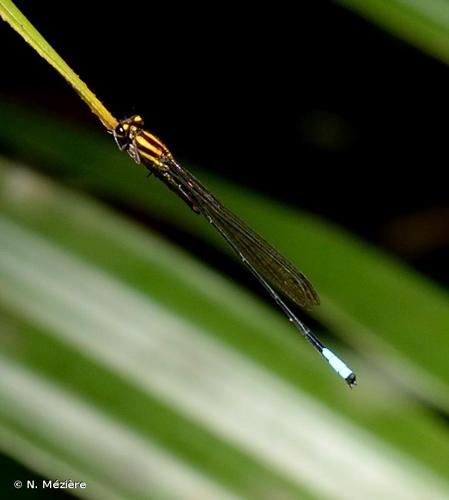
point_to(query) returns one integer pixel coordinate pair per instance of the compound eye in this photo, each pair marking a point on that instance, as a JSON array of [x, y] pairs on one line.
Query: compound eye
[[120, 131]]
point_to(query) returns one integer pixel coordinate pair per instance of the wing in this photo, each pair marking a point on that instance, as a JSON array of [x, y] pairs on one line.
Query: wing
[[262, 258]]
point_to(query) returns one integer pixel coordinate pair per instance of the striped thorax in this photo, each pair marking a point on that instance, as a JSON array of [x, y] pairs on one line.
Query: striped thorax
[[130, 136]]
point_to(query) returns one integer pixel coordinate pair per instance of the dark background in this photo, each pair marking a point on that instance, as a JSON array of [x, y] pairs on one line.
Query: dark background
[[308, 103]]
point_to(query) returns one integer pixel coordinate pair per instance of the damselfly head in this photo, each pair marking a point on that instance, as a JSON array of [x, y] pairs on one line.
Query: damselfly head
[[126, 131]]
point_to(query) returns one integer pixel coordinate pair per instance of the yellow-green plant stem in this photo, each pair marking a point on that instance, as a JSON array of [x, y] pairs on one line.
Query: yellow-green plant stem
[[12, 15]]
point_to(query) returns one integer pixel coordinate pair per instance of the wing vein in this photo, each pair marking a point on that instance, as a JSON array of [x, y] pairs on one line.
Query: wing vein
[[265, 260]]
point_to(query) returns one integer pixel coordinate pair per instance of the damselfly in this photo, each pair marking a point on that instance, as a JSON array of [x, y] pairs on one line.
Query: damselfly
[[274, 272]]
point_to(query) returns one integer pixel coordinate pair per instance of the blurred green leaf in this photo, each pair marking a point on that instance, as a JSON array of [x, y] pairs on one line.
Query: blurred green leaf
[[120, 349], [423, 23], [63, 341], [400, 319], [55, 234]]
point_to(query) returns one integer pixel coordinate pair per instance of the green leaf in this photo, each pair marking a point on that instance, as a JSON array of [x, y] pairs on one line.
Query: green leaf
[[423, 23], [143, 343]]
